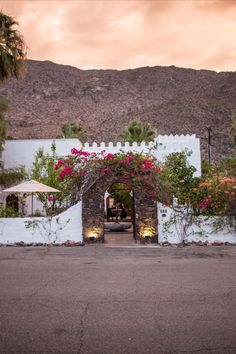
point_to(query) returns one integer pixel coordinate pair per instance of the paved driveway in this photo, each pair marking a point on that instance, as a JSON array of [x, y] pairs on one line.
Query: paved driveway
[[101, 300]]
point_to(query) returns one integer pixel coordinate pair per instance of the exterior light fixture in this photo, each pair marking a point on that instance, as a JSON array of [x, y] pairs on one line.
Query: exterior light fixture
[[147, 231], [93, 233], [92, 238]]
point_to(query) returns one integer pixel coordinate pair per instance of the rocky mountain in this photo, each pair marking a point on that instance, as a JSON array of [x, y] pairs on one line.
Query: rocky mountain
[[173, 100]]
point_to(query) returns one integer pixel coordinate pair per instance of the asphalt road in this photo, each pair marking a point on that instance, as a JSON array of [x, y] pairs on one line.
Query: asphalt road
[[102, 300]]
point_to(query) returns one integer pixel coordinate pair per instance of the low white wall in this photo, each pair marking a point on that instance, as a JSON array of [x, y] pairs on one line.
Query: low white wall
[[14, 230], [201, 230]]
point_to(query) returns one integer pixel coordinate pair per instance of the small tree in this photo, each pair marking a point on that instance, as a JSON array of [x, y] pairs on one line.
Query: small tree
[[74, 130], [44, 171], [178, 176], [12, 48], [137, 132]]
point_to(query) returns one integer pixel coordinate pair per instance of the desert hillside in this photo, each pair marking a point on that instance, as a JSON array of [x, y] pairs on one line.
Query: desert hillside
[[173, 100]]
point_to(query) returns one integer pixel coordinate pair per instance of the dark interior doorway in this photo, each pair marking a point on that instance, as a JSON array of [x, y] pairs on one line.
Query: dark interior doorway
[[12, 201], [119, 222]]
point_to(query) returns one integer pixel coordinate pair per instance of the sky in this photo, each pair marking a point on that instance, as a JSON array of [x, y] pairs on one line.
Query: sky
[[123, 34]]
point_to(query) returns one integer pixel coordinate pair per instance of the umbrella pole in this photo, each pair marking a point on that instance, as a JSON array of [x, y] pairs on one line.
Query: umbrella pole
[[32, 201]]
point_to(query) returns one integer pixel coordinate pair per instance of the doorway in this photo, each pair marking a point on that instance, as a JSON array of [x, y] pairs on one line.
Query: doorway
[[119, 216], [12, 201]]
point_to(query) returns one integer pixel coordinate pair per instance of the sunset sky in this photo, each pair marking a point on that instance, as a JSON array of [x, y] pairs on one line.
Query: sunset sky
[[121, 34]]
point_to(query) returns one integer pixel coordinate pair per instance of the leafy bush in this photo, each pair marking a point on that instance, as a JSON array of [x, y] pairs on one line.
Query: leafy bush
[[8, 212], [178, 177]]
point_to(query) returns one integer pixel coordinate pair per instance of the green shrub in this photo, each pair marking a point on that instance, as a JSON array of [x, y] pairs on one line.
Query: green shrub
[[8, 212]]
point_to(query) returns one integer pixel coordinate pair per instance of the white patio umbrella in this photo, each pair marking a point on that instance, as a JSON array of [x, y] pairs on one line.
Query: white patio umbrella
[[31, 186]]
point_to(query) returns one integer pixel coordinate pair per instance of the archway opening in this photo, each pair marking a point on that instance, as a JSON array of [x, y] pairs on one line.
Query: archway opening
[[119, 221], [12, 201]]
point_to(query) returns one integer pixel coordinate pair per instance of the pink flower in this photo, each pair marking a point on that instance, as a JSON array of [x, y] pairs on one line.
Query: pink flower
[[123, 162], [148, 164], [204, 184], [203, 204], [152, 195], [227, 180], [58, 165], [83, 173], [75, 151], [109, 156], [50, 198], [68, 170], [84, 153]]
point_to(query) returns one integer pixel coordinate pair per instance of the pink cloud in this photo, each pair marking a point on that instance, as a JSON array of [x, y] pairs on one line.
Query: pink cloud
[[127, 34]]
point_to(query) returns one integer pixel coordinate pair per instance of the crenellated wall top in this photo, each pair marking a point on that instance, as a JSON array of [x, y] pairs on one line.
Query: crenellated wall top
[[160, 139]]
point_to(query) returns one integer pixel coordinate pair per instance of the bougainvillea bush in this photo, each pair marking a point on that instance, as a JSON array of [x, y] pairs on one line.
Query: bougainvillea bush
[[215, 197], [135, 169]]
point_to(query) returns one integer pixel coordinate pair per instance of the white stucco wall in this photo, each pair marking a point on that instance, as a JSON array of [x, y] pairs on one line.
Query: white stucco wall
[[202, 230], [22, 152], [14, 230]]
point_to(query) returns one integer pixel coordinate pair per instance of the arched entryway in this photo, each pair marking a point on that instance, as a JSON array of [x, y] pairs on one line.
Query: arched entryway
[[12, 201], [93, 216]]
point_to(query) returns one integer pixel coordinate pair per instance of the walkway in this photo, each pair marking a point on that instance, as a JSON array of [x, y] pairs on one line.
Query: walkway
[[124, 238]]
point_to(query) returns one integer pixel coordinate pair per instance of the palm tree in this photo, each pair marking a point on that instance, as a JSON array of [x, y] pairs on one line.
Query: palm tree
[[12, 48], [74, 130], [138, 131], [4, 106]]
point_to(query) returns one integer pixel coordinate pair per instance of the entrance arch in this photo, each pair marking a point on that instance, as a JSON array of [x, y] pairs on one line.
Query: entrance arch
[[145, 221]]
